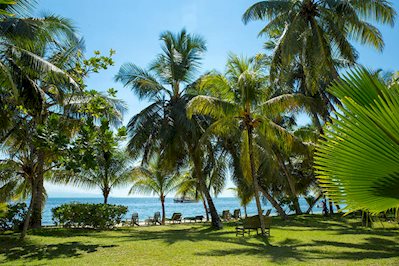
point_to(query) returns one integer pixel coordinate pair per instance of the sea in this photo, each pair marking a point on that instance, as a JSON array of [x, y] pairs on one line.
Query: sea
[[146, 207]]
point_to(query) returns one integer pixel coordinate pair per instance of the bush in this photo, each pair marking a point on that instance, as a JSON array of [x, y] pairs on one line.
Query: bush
[[85, 215], [13, 216]]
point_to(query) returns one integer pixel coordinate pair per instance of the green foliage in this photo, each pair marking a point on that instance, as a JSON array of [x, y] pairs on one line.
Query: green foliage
[[83, 215], [13, 217], [357, 162]]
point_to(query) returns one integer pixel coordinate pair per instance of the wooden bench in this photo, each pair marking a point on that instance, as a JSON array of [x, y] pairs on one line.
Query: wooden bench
[[253, 223]]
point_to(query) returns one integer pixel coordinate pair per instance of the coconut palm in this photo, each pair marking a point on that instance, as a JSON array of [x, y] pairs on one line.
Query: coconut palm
[[113, 170], [163, 125], [153, 179], [357, 162], [245, 104], [315, 31]]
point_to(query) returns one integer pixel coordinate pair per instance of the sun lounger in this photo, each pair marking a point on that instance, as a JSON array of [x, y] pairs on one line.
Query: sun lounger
[[237, 214], [226, 216], [154, 220], [176, 218]]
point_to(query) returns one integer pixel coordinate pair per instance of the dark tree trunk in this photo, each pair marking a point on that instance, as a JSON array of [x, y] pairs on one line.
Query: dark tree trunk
[[216, 222], [297, 206], [245, 211], [29, 212], [37, 209], [291, 184], [205, 207], [106, 195], [275, 204], [330, 205], [163, 208], [255, 182], [312, 205]]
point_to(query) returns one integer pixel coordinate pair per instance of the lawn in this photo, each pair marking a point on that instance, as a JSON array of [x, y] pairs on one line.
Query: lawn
[[302, 240]]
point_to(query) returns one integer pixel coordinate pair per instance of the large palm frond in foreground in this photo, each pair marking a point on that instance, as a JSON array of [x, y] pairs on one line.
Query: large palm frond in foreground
[[358, 161]]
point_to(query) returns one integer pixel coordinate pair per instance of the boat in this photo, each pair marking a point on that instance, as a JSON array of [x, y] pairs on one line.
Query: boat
[[183, 200]]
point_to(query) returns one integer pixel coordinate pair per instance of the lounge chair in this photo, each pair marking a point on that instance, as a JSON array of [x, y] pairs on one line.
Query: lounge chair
[[253, 223], [268, 212], [135, 219], [176, 218], [154, 220], [226, 216], [194, 218], [237, 214]]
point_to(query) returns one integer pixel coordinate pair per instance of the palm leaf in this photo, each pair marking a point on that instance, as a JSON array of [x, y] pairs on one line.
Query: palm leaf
[[358, 161]]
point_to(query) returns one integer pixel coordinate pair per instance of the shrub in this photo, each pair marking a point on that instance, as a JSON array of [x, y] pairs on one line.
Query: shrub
[[87, 215], [13, 216]]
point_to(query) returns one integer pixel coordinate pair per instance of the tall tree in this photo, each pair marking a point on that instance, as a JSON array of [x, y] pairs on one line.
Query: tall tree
[[98, 163], [163, 125], [153, 179], [245, 104], [313, 38]]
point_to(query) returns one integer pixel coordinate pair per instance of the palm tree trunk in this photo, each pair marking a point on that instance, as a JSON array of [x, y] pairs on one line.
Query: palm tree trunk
[[216, 222], [274, 202], [105, 195], [290, 183], [245, 211], [163, 208], [205, 207], [312, 205], [37, 209], [255, 182], [29, 212], [330, 204]]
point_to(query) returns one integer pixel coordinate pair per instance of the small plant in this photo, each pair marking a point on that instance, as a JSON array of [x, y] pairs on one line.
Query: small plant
[[85, 215], [13, 216]]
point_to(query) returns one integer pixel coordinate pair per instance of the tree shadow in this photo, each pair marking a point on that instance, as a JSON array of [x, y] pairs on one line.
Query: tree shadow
[[13, 249]]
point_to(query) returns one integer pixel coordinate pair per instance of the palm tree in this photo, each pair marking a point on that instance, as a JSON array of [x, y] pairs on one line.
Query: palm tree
[[316, 30], [357, 162], [247, 105], [163, 125], [312, 39], [152, 179], [112, 171]]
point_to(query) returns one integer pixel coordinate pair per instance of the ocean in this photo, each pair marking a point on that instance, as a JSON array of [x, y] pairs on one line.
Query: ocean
[[146, 207]]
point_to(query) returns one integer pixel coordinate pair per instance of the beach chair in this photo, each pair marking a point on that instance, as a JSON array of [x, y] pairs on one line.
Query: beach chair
[[135, 219], [154, 220], [226, 216], [253, 223], [176, 218], [199, 218], [237, 214]]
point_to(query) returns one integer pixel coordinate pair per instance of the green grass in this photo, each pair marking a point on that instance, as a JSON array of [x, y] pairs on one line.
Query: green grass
[[303, 240]]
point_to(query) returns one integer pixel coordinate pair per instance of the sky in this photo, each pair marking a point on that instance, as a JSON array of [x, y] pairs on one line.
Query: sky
[[132, 28]]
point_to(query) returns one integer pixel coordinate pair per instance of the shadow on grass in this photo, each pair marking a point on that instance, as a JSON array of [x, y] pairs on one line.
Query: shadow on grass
[[13, 249], [372, 245]]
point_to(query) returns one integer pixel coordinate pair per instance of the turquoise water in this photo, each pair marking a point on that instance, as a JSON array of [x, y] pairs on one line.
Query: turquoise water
[[146, 207]]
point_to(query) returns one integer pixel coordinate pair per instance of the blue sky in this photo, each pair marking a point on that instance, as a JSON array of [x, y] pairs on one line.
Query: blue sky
[[132, 28]]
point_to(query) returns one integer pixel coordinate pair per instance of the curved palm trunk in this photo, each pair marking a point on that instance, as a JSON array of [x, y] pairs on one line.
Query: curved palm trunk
[[291, 184], [37, 208], [163, 208], [29, 212], [245, 211], [274, 202], [205, 207], [314, 203], [216, 222], [255, 182]]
